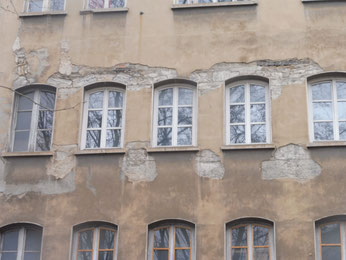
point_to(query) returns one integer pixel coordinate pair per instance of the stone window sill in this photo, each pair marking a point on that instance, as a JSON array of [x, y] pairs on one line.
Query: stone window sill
[[326, 144], [206, 5], [314, 1], [104, 10], [47, 13], [26, 154], [248, 147], [172, 149], [100, 151]]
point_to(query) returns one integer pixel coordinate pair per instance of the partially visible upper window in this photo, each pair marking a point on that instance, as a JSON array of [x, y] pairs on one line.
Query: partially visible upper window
[[18, 242], [33, 119], [45, 5], [93, 4], [205, 1], [328, 110]]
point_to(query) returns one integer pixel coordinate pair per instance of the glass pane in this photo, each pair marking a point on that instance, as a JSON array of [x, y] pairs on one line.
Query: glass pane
[[237, 134], [33, 240], [323, 131], [32, 256], [115, 99], [261, 236], [164, 136], [96, 4], [113, 138], [23, 121], [93, 139], [21, 140], [84, 256], [237, 114], [9, 256], [331, 253], [106, 239], [10, 240], [45, 119], [239, 236], [341, 90], [323, 111], [106, 255], [43, 140], [330, 234], [322, 91], [47, 99], [25, 102], [258, 113], [239, 254], [185, 116], [95, 119], [184, 135], [257, 93], [116, 3], [165, 116], [342, 130], [161, 238], [185, 96], [182, 254], [85, 239], [237, 94], [114, 118], [161, 255], [96, 99], [182, 237], [342, 110], [261, 253], [35, 5], [166, 97], [258, 133], [57, 5]]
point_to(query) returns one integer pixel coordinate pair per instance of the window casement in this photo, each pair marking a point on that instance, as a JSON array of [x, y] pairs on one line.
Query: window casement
[[18, 242], [44, 5], [171, 241], [94, 4], [33, 119], [103, 118], [327, 110], [174, 116], [248, 113], [204, 1]]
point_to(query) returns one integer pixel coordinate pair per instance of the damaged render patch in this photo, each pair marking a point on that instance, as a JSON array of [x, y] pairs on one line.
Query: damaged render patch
[[62, 162], [290, 161], [209, 165]]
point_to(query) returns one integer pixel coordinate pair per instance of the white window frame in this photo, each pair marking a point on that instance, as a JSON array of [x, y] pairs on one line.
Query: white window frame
[[34, 117], [175, 106], [246, 84], [334, 101], [104, 122], [106, 4], [45, 6]]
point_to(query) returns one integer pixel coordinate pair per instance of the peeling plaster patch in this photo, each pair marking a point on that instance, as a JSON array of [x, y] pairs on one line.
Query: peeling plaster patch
[[89, 185], [62, 162], [137, 165], [38, 62], [290, 161], [65, 67], [209, 165]]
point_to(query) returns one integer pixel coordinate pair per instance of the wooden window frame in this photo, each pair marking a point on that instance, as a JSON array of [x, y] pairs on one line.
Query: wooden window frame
[[45, 6]]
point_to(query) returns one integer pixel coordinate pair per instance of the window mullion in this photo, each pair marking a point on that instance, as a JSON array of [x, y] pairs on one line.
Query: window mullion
[[335, 111], [21, 244], [171, 242], [34, 122], [106, 4], [45, 5], [95, 243], [175, 117], [104, 119], [247, 114], [250, 242]]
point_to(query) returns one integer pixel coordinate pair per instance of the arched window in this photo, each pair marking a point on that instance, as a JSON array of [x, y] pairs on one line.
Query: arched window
[[33, 119], [20, 241], [175, 115], [247, 112], [95, 241], [171, 239], [250, 239], [103, 120]]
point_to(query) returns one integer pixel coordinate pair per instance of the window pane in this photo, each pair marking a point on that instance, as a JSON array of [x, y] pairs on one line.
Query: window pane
[[342, 130], [95, 119], [93, 139], [330, 234], [85, 239], [185, 96], [323, 111], [239, 254], [161, 238], [237, 134], [35, 5], [321, 91], [164, 136], [9, 256], [258, 133], [96, 99], [115, 99], [84, 256], [25, 102], [96, 4], [331, 253], [116, 3], [10, 240], [106, 255], [23, 121], [165, 116], [43, 140], [342, 110], [185, 116], [341, 90], [257, 93], [57, 5], [323, 131], [113, 138], [184, 135], [161, 255], [47, 99], [182, 254], [45, 119], [237, 114], [21, 140], [237, 94], [258, 113], [32, 256], [261, 253], [33, 240], [239, 236], [106, 239], [182, 237], [114, 118], [261, 236], [166, 97]]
